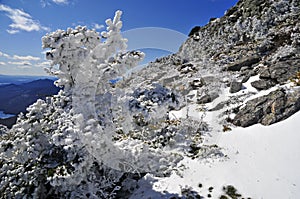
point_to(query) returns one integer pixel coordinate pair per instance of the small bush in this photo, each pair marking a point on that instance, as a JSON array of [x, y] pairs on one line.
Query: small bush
[[296, 79]]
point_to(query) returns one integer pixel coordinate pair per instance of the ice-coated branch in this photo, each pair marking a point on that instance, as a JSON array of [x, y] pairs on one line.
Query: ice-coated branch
[[85, 66], [82, 58]]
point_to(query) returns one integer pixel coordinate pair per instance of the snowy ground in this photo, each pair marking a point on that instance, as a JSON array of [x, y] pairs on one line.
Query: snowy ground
[[260, 161], [263, 162]]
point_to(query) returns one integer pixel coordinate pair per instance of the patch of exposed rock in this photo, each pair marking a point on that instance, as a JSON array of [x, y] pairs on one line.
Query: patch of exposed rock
[[277, 73], [268, 109]]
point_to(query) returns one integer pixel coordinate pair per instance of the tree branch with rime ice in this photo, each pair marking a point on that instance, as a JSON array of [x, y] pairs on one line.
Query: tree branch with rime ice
[[85, 66], [79, 143]]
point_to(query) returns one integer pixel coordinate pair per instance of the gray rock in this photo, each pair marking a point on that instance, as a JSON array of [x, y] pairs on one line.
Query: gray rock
[[207, 98], [282, 71], [235, 86], [170, 80], [264, 74], [197, 83], [265, 47], [209, 79], [219, 106], [248, 61], [263, 84], [246, 78], [187, 68], [278, 72], [274, 107], [292, 104], [249, 119]]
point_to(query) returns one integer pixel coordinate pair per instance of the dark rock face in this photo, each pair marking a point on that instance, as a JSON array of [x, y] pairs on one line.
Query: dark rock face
[[276, 106], [263, 84], [187, 68], [277, 73], [284, 70], [8, 122], [197, 83], [207, 98], [194, 30], [247, 61], [235, 86]]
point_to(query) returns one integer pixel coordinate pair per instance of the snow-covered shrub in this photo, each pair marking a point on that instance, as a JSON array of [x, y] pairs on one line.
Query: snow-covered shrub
[[49, 151], [42, 157], [80, 143], [3, 129]]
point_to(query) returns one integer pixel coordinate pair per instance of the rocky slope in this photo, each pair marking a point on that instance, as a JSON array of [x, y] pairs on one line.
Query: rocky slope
[[255, 46]]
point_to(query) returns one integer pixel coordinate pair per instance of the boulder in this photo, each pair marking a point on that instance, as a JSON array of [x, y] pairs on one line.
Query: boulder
[[186, 68], [247, 61], [282, 71], [279, 73], [245, 78], [235, 87], [197, 83], [268, 109], [263, 84], [264, 74], [195, 30], [207, 98]]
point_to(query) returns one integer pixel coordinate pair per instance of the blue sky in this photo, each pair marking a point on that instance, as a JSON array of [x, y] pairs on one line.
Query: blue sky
[[24, 22]]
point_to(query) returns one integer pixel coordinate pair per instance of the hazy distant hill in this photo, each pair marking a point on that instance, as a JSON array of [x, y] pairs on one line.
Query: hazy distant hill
[[16, 98], [20, 79]]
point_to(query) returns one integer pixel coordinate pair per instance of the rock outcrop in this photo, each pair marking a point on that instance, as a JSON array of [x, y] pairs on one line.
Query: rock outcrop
[[268, 109], [254, 38]]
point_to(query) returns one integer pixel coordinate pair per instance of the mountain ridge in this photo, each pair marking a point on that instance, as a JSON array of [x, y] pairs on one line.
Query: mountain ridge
[[15, 98]]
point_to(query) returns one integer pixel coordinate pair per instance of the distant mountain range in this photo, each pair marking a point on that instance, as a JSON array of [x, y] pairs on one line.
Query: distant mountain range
[[21, 79], [18, 92]]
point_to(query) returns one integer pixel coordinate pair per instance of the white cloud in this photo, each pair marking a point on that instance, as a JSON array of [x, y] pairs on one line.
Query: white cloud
[[2, 63], [13, 31], [60, 1], [21, 63], [21, 21], [18, 57], [98, 26], [43, 64], [24, 66], [26, 58], [4, 55], [49, 2]]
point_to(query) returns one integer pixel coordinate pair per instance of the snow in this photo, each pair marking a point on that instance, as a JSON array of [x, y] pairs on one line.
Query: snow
[[262, 162]]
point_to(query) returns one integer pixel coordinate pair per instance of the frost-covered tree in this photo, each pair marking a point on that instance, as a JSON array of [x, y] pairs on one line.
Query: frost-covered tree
[[85, 67], [79, 143]]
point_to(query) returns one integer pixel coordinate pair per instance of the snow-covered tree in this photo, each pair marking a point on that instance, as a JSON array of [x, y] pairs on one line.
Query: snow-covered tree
[[79, 143]]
